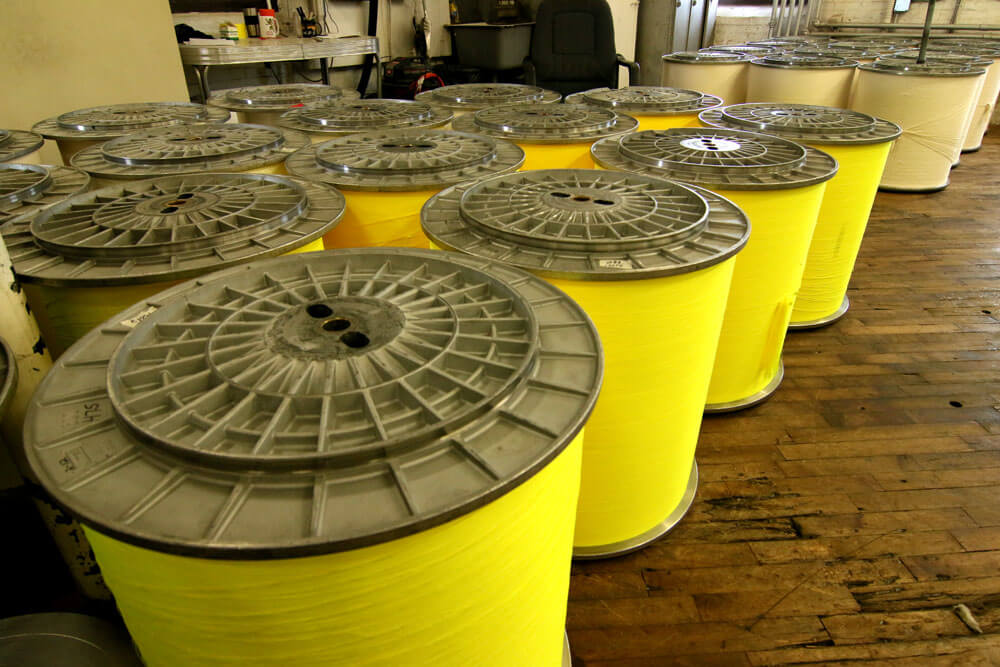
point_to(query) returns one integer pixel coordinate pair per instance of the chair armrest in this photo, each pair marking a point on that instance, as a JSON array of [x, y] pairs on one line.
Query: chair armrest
[[530, 75], [633, 69]]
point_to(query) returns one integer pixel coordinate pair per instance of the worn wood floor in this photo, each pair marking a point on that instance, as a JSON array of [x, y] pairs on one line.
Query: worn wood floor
[[842, 521]]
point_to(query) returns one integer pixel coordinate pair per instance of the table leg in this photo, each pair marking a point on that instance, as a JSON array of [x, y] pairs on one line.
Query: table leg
[[324, 70], [202, 73]]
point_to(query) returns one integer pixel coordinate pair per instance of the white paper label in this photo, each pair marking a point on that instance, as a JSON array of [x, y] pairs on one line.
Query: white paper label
[[133, 322], [614, 263]]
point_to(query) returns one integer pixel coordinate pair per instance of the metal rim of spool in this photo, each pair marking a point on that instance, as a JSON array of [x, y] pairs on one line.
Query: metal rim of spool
[[822, 321], [746, 49], [983, 51], [950, 57], [751, 400], [114, 120], [651, 100], [475, 96], [405, 160], [8, 376], [791, 40], [651, 535], [803, 122], [169, 228], [705, 57], [339, 117], [546, 124], [191, 148], [864, 45], [587, 224], [27, 187], [18, 143], [858, 55], [511, 370], [81, 640], [802, 61], [277, 97], [717, 158], [909, 67]]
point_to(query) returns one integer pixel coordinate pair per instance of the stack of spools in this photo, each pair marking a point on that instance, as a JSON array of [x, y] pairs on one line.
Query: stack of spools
[[29, 188], [656, 108], [86, 258], [745, 49], [819, 80], [780, 186], [552, 136], [326, 120], [468, 97], [368, 456], [933, 103], [639, 254], [190, 149], [264, 105], [75, 130], [387, 176], [986, 103], [20, 146], [860, 144], [718, 73]]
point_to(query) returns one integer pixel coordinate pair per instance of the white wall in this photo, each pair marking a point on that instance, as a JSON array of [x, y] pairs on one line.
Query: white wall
[[56, 57]]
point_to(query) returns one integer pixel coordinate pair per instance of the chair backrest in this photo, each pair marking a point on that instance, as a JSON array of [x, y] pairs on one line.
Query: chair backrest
[[573, 45]]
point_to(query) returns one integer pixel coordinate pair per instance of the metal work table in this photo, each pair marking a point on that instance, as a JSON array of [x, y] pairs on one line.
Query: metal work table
[[248, 51]]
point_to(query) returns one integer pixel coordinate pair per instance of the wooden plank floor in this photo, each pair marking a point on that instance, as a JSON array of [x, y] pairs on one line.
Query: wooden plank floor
[[843, 520]]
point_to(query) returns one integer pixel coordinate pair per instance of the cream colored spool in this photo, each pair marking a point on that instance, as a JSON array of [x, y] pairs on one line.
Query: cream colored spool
[[725, 80], [277, 168], [982, 110], [822, 87], [70, 147], [34, 157], [933, 112], [259, 117]]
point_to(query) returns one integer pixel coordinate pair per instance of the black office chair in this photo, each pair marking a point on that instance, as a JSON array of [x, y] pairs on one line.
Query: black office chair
[[573, 48]]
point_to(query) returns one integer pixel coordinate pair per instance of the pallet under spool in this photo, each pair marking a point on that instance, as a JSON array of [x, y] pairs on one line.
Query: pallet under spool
[[637, 253], [387, 176], [263, 105], [779, 184], [655, 107], [433, 526], [75, 130], [92, 255], [860, 144], [555, 136]]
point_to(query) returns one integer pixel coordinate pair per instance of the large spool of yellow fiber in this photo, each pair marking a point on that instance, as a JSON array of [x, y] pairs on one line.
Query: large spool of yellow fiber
[[986, 103], [387, 176], [75, 130], [190, 149], [779, 184], [328, 119], [638, 253], [799, 79], [655, 107], [932, 103], [860, 144], [555, 136], [466, 98], [20, 146], [263, 105], [85, 259], [719, 73], [361, 457], [29, 188]]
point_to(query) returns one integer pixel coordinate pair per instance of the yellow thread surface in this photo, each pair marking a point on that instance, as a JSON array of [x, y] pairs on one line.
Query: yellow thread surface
[[840, 228], [659, 340], [665, 121], [65, 314], [766, 278], [276, 168], [728, 81], [487, 589], [380, 219], [556, 156]]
